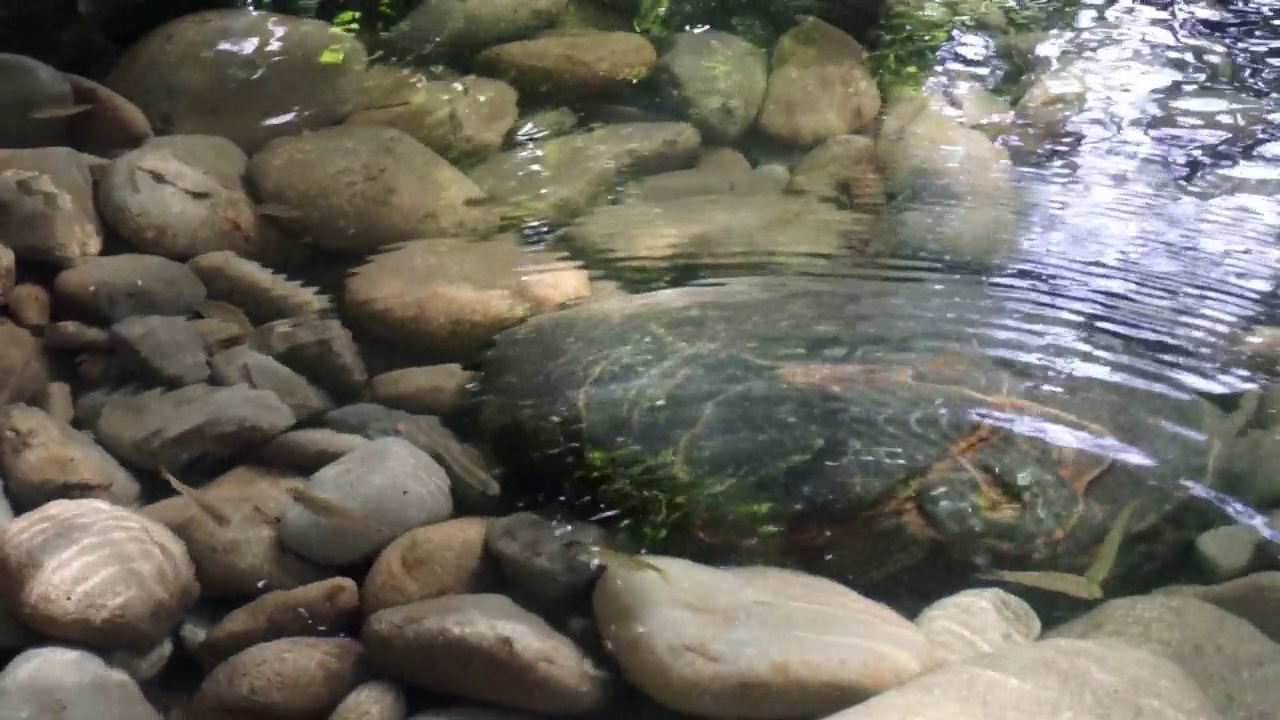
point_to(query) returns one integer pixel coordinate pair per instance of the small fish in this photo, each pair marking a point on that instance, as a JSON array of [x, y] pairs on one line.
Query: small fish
[[597, 555], [1065, 583], [59, 111], [228, 313], [1110, 547], [1085, 587], [278, 210], [327, 509], [197, 498]]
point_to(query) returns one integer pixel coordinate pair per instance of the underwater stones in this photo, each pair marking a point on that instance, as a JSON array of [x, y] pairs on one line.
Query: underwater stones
[[725, 228], [272, 85], [458, 645], [174, 428], [1045, 679], [563, 177], [24, 372], [28, 86], [545, 562], [242, 365], [42, 219], [463, 120], [110, 125], [113, 288], [322, 349], [819, 86], [80, 684], [166, 207], [162, 348], [571, 65], [215, 156], [296, 677], [374, 700], [842, 170], [356, 188], [389, 484], [450, 296], [439, 28], [973, 622], [714, 79], [757, 643], [430, 389], [953, 188], [324, 607], [239, 553], [447, 558], [87, 571], [45, 459], [264, 295]]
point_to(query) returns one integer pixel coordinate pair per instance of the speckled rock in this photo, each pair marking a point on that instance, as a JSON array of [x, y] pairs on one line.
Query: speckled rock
[[545, 561], [297, 677], [107, 577], [756, 643], [458, 645], [447, 558], [392, 484]]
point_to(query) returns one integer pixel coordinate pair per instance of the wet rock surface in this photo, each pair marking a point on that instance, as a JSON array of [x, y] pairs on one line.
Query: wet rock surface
[[251, 279]]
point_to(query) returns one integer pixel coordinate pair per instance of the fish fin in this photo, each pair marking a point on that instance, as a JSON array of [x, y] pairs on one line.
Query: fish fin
[[1109, 549]]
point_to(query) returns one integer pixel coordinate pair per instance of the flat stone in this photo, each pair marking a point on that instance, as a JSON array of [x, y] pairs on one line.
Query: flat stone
[[323, 350], [163, 348], [447, 558], [974, 622], [543, 561], [173, 428], [1252, 598], [296, 677], [1234, 663], [755, 643], [61, 683], [90, 572], [1046, 679], [120, 286], [309, 449], [459, 645], [242, 365], [391, 483], [321, 608], [430, 390]]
